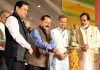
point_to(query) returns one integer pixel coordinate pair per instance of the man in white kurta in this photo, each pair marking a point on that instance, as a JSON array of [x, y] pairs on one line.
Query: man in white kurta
[[91, 39], [61, 36]]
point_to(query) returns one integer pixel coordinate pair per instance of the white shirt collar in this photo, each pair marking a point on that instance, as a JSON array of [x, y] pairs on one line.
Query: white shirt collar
[[85, 27], [61, 29]]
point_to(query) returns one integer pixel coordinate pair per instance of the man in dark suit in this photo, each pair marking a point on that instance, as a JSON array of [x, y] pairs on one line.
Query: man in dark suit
[[17, 40]]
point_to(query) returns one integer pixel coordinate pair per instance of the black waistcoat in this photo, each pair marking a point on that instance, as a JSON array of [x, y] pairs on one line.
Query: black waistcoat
[[13, 49]]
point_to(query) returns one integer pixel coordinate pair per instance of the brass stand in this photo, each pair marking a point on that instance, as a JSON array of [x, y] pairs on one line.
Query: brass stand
[[73, 58], [73, 54]]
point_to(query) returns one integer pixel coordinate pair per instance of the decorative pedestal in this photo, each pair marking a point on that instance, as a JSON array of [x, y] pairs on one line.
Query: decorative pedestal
[[73, 59]]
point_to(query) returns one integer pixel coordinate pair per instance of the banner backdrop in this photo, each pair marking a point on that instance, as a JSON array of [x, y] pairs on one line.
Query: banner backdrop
[[73, 9]]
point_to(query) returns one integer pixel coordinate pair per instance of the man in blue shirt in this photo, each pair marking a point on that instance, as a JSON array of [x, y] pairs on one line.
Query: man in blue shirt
[[43, 43]]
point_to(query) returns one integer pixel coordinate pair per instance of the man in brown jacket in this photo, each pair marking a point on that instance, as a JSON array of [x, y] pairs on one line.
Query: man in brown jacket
[[42, 45]]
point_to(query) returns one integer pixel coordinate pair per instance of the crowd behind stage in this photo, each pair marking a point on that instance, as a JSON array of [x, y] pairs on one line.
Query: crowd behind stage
[[23, 47]]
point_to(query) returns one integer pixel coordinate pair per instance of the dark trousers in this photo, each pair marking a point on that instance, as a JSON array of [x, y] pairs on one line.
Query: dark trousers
[[31, 67], [2, 61], [3, 65], [13, 64], [1, 57]]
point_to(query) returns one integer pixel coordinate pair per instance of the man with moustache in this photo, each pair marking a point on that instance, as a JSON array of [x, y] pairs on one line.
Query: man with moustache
[[16, 37], [42, 45]]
